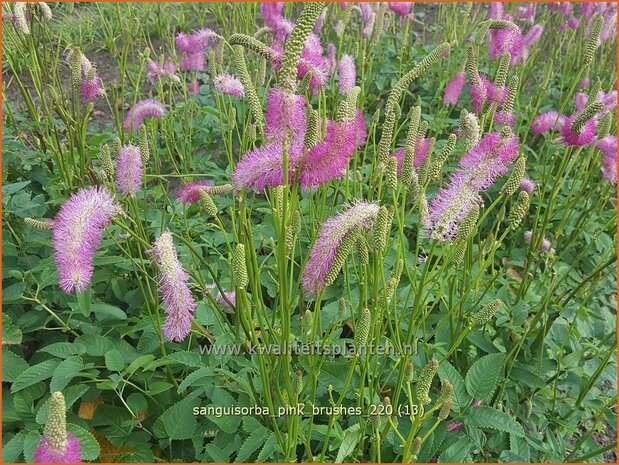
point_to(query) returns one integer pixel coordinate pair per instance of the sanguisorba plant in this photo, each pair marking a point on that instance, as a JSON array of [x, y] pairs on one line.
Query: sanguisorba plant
[[358, 273]]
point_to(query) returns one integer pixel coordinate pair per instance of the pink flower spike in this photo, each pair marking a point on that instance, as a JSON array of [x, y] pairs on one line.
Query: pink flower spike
[[332, 233], [194, 87], [401, 8], [77, 233], [193, 62], [453, 89], [608, 146], [226, 84], [571, 139], [361, 129], [346, 73], [72, 453], [90, 89], [143, 109], [285, 112], [173, 289], [495, 10], [190, 193], [545, 122], [129, 170], [506, 118], [231, 296]]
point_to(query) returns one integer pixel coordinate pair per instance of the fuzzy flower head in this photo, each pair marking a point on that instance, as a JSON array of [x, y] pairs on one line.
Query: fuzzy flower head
[[227, 84], [173, 289], [401, 8], [143, 109], [608, 146], [155, 71], [346, 73], [91, 89], [332, 232], [506, 40], [453, 89], [196, 42], [193, 62], [545, 246], [546, 121], [527, 185], [422, 149], [77, 233], [478, 170], [285, 114], [56, 445], [231, 296], [129, 170], [571, 139], [190, 193], [194, 87]]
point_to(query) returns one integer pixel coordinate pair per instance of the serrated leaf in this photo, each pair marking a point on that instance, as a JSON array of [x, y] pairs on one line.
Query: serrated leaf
[[139, 362], [351, 438], [270, 446], [107, 312], [62, 349], [178, 421], [31, 442], [114, 360], [482, 376], [88, 444], [65, 372], [95, 344], [486, 417], [200, 373], [13, 448], [35, 374], [71, 395], [12, 365], [457, 451], [250, 445], [11, 334], [190, 359], [460, 397]]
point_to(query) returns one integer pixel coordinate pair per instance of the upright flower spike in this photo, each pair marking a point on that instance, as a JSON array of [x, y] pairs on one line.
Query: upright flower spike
[[594, 39], [425, 382], [513, 182], [248, 87], [346, 73], [486, 313], [519, 210], [239, 267], [178, 302], [330, 238], [362, 331], [19, 17], [56, 445], [129, 170], [77, 233], [295, 43]]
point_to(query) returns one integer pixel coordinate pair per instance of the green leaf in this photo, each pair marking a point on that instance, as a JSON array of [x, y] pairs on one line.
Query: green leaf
[[14, 447], [158, 387], [486, 417], [251, 445], [270, 446], [62, 349], [11, 334], [31, 442], [95, 344], [88, 444], [482, 376], [178, 421], [139, 362], [195, 376], [108, 312], [114, 360], [35, 374], [12, 366], [351, 438], [190, 359], [65, 372], [84, 300], [457, 452], [460, 398]]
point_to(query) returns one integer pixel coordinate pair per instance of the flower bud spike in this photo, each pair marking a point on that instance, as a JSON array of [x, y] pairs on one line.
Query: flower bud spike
[[425, 381], [486, 313], [362, 330], [513, 182], [239, 267], [519, 210]]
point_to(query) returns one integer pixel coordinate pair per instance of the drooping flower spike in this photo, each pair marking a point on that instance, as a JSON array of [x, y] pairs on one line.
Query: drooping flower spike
[[333, 232], [148, 108], [178, 302], [77, 233], [227, 84]]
